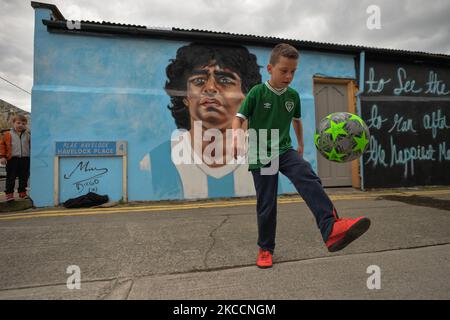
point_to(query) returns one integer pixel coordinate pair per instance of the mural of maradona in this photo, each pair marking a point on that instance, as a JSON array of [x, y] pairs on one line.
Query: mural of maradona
[[205, 83]]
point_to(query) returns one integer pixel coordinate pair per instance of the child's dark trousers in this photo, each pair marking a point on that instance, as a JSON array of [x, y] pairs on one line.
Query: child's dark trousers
[[17, 168], [308, 185]]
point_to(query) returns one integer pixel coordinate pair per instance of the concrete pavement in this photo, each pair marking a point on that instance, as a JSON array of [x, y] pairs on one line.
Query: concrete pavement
[[18, 205], [207, 250]]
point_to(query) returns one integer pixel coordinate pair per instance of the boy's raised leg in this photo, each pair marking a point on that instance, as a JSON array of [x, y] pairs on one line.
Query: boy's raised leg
[[337, 233], [309, 186]]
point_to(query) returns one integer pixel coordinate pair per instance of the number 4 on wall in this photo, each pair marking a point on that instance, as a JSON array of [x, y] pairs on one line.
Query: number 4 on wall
[[121, 147]]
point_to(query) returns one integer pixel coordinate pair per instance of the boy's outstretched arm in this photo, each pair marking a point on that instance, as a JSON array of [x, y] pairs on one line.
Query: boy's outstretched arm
[[238, 136], [298, 128]]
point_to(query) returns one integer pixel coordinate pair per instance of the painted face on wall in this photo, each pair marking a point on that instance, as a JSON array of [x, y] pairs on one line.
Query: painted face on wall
[[214, 95]]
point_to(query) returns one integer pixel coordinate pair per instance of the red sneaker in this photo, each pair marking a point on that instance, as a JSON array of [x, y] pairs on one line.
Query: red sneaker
[[23, 195], [345, 231], [264, 259], [9, 197]]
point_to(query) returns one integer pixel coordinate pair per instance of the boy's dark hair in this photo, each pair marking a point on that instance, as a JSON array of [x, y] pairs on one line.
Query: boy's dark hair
[[20, 117], [236, 58], [283, 50]]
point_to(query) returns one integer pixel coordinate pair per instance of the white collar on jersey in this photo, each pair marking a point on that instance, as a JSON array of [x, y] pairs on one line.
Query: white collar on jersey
[[277, 92]]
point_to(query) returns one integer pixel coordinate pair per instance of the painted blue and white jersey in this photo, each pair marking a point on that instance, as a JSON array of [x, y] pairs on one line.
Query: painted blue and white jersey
[[196, 180]]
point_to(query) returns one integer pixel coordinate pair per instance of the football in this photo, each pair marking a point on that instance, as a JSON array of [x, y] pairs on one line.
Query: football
[[342, 137]]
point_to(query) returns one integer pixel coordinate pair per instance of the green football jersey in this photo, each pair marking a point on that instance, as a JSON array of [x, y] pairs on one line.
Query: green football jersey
[[266, 109]]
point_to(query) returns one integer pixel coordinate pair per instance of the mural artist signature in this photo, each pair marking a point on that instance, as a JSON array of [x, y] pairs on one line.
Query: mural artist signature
[[92, 181]]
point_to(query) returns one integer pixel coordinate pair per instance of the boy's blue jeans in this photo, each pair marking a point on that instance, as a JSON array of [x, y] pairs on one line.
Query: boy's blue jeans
[[308, 185]]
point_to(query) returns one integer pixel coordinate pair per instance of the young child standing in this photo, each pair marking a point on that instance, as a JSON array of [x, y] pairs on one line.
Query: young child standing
[[15, 154], [274, 105]]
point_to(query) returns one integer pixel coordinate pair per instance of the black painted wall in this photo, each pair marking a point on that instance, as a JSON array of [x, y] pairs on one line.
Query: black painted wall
[[407, 109]]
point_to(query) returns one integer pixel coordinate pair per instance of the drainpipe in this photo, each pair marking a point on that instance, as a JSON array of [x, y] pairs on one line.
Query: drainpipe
[[362, 60]]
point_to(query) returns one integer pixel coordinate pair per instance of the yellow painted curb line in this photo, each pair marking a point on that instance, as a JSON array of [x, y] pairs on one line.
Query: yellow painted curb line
[[218, 204]]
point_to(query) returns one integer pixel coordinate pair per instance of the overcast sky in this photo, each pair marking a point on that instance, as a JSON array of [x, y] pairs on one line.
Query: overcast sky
[[405, 24]]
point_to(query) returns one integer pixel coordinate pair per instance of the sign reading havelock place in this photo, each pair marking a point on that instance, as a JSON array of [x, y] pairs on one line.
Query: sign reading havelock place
[[90, 148], [407, 110]]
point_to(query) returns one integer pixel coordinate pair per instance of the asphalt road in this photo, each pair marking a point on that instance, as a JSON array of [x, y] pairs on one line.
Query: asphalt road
[[207, 250]]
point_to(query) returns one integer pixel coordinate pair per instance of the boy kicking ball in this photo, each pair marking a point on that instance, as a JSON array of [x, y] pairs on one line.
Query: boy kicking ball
[[274, 105]]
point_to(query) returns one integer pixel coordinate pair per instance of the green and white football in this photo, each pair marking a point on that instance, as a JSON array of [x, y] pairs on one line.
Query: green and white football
[[342, 137]]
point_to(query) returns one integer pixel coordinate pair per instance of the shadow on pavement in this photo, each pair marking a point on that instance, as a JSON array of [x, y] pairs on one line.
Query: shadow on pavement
[[16, 205], [420, 201]]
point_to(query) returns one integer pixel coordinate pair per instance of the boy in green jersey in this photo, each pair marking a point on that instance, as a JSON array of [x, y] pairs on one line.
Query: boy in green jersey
[[270, 108]]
